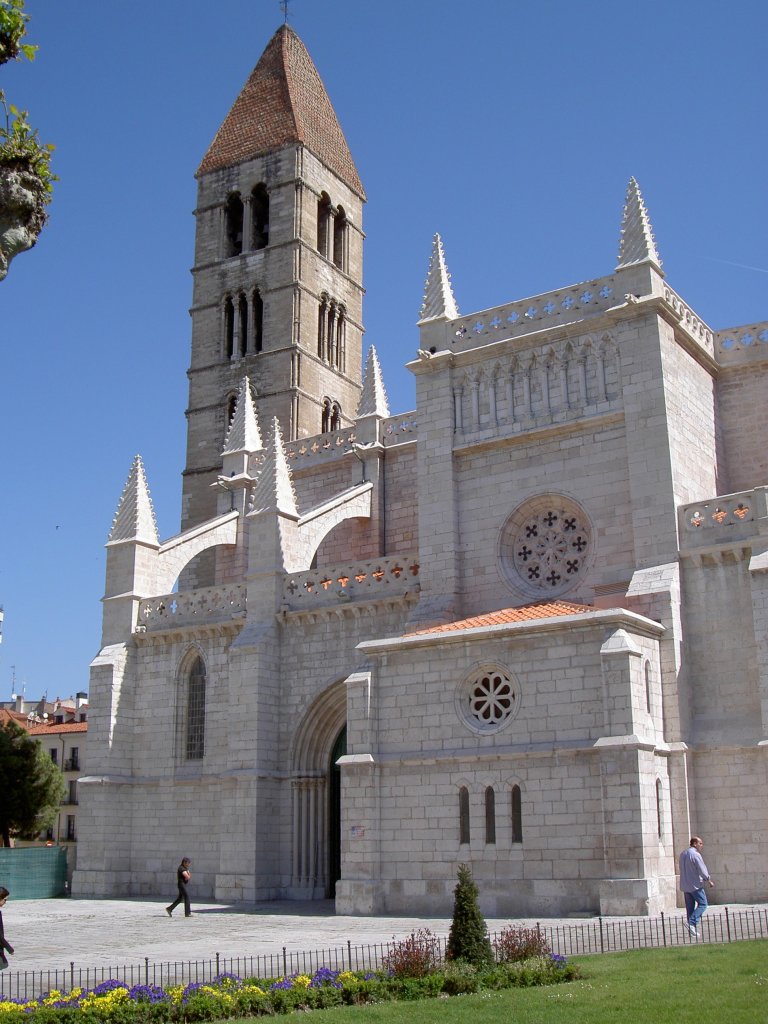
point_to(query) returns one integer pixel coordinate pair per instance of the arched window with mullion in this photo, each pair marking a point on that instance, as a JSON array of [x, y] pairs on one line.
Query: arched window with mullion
[[195, 716]]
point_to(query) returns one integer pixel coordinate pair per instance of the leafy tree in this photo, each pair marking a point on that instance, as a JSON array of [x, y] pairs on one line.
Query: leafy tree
[[31, 786], [468, 938], [26, 180]]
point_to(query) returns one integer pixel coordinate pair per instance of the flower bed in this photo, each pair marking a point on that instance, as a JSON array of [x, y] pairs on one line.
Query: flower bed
[[227, 996]]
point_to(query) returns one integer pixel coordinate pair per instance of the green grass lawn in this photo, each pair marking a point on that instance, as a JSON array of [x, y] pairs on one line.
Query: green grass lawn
[[687, 985]]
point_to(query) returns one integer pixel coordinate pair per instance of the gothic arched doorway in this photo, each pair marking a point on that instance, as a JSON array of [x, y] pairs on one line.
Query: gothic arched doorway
[[334, 817]]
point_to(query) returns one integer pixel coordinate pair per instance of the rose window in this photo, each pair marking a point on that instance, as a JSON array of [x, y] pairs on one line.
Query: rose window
[[488, 699], [545, 548]]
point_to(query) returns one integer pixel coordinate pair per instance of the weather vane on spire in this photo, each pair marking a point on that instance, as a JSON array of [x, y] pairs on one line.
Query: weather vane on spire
[[284, 8]]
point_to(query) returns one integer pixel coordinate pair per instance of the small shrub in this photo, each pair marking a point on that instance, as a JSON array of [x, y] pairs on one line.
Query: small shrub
[[459, 977], [468, 938], [514, 944], [413, 957]]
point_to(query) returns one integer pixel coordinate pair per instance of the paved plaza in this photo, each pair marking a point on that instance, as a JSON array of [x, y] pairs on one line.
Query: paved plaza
[[50, 934]]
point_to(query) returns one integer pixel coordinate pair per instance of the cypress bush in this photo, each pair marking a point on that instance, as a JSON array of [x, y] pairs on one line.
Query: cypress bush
[[468, 938]]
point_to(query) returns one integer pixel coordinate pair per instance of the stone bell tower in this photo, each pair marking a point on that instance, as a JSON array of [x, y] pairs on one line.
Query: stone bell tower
[[278, 269]]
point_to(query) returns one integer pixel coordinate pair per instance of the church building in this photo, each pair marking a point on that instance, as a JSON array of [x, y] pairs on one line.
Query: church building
[[523, 627]]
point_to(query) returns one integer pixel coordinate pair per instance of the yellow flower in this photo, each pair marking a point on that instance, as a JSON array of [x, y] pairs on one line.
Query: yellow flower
[[345, 977], [301, 981]]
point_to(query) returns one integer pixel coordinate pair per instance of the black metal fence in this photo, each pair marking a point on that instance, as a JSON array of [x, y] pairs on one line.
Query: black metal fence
[[593, 935]]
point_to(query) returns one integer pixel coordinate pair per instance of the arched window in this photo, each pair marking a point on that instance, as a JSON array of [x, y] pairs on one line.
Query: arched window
[[258, 321], [659, 817], [323, 223], [490, 815], [229, 327], [325, 420], [260, 217], [335, 416], [195, 731], [648, 686], [242, 312], [464, 815], [322, 327], [341, 338], [517, 815], [340, 239], [233, 216]]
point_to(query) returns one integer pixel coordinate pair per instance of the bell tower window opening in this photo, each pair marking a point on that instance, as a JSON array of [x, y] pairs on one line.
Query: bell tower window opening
[[340, 239], [325, 419], [260, 217], [341, 338], [335, 416], [322, 327], [324, 215], [233, 215], [229, 327], [258, 321], [242, 313]]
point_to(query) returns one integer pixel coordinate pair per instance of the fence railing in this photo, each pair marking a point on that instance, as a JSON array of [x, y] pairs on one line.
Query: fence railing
[[595, 935]]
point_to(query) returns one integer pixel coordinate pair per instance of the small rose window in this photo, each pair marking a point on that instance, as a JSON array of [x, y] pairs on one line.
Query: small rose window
[[488, 699]]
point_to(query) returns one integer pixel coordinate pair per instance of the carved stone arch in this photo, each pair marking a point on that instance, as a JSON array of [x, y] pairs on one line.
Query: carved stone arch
[[549, 356], [313, 824]]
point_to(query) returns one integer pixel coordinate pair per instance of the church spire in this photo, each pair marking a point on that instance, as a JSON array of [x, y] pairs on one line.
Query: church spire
[[439, 302], [284, 102], [637, 244], [373, 399], [135, 516], [274, 488], [243, 434]]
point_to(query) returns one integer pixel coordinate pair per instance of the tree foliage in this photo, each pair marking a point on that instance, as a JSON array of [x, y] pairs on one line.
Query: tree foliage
[[13, 28], [31, 785], [468, 938]]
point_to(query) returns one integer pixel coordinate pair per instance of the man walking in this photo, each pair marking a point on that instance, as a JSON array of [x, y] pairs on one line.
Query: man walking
[[693, 875]]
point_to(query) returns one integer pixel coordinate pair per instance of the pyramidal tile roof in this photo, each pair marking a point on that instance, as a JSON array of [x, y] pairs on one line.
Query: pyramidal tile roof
[[135, 516], [637, 244], [373, 397], [526, 613], [243, 434], [274, 487], [438, 293], [284, 102]]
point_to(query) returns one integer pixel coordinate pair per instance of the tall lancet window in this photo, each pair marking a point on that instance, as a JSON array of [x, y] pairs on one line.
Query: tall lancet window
[[242, 312], [340, 239], [323, 223], [258, 321], [229, 327], [260, 217], [233, 221], [195, 731]]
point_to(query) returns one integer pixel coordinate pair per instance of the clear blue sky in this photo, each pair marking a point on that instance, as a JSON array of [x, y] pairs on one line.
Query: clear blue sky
[[510, 128]]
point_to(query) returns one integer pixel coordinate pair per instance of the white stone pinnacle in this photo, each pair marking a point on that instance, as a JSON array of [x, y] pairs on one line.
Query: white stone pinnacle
[[439, 302], [637, 244], [135, 516], [274, 487], [373, 398], [243, 434]]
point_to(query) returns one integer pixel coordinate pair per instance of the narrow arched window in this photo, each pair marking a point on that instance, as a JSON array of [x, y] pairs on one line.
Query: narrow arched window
[[195, 745], [330, 333], [229, 327], [648, 686], [335, 417], [233, 216], [463, 815], [341, 338], [325, 421], [258, 321], [659, 816], [260, 217], [322, 327], [323, 223], [490, 815], [242, 313], [517, 815], [340, 239]]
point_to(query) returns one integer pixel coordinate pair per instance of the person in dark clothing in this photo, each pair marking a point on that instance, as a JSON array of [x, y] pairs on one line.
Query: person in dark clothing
[[4, 944], [183, 875]]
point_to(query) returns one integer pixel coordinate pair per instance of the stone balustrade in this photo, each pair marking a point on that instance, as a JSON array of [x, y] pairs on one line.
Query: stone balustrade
[[207, 606], [692, 323], [325, 446], [360, 581], [399, 429], [720, 520], [742, 344], [566, 305]]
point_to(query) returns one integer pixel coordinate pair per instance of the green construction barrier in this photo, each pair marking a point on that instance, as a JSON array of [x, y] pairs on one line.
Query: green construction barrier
[[34, 874]]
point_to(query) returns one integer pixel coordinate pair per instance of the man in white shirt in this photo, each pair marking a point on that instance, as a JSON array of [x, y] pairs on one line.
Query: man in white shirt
[[693, 875]]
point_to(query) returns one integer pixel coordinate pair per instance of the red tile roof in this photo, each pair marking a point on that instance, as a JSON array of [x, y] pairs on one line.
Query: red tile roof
[[541, 610], [284, 102], [12, 716], [49, 727]]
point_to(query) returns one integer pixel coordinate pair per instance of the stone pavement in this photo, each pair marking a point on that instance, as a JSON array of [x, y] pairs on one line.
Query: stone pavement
[[49, 934]]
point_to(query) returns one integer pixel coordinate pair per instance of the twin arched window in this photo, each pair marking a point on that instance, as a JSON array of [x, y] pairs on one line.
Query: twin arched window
[[332, 231], [243, 324], [246, 222], [331, 417], [332, 333]]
